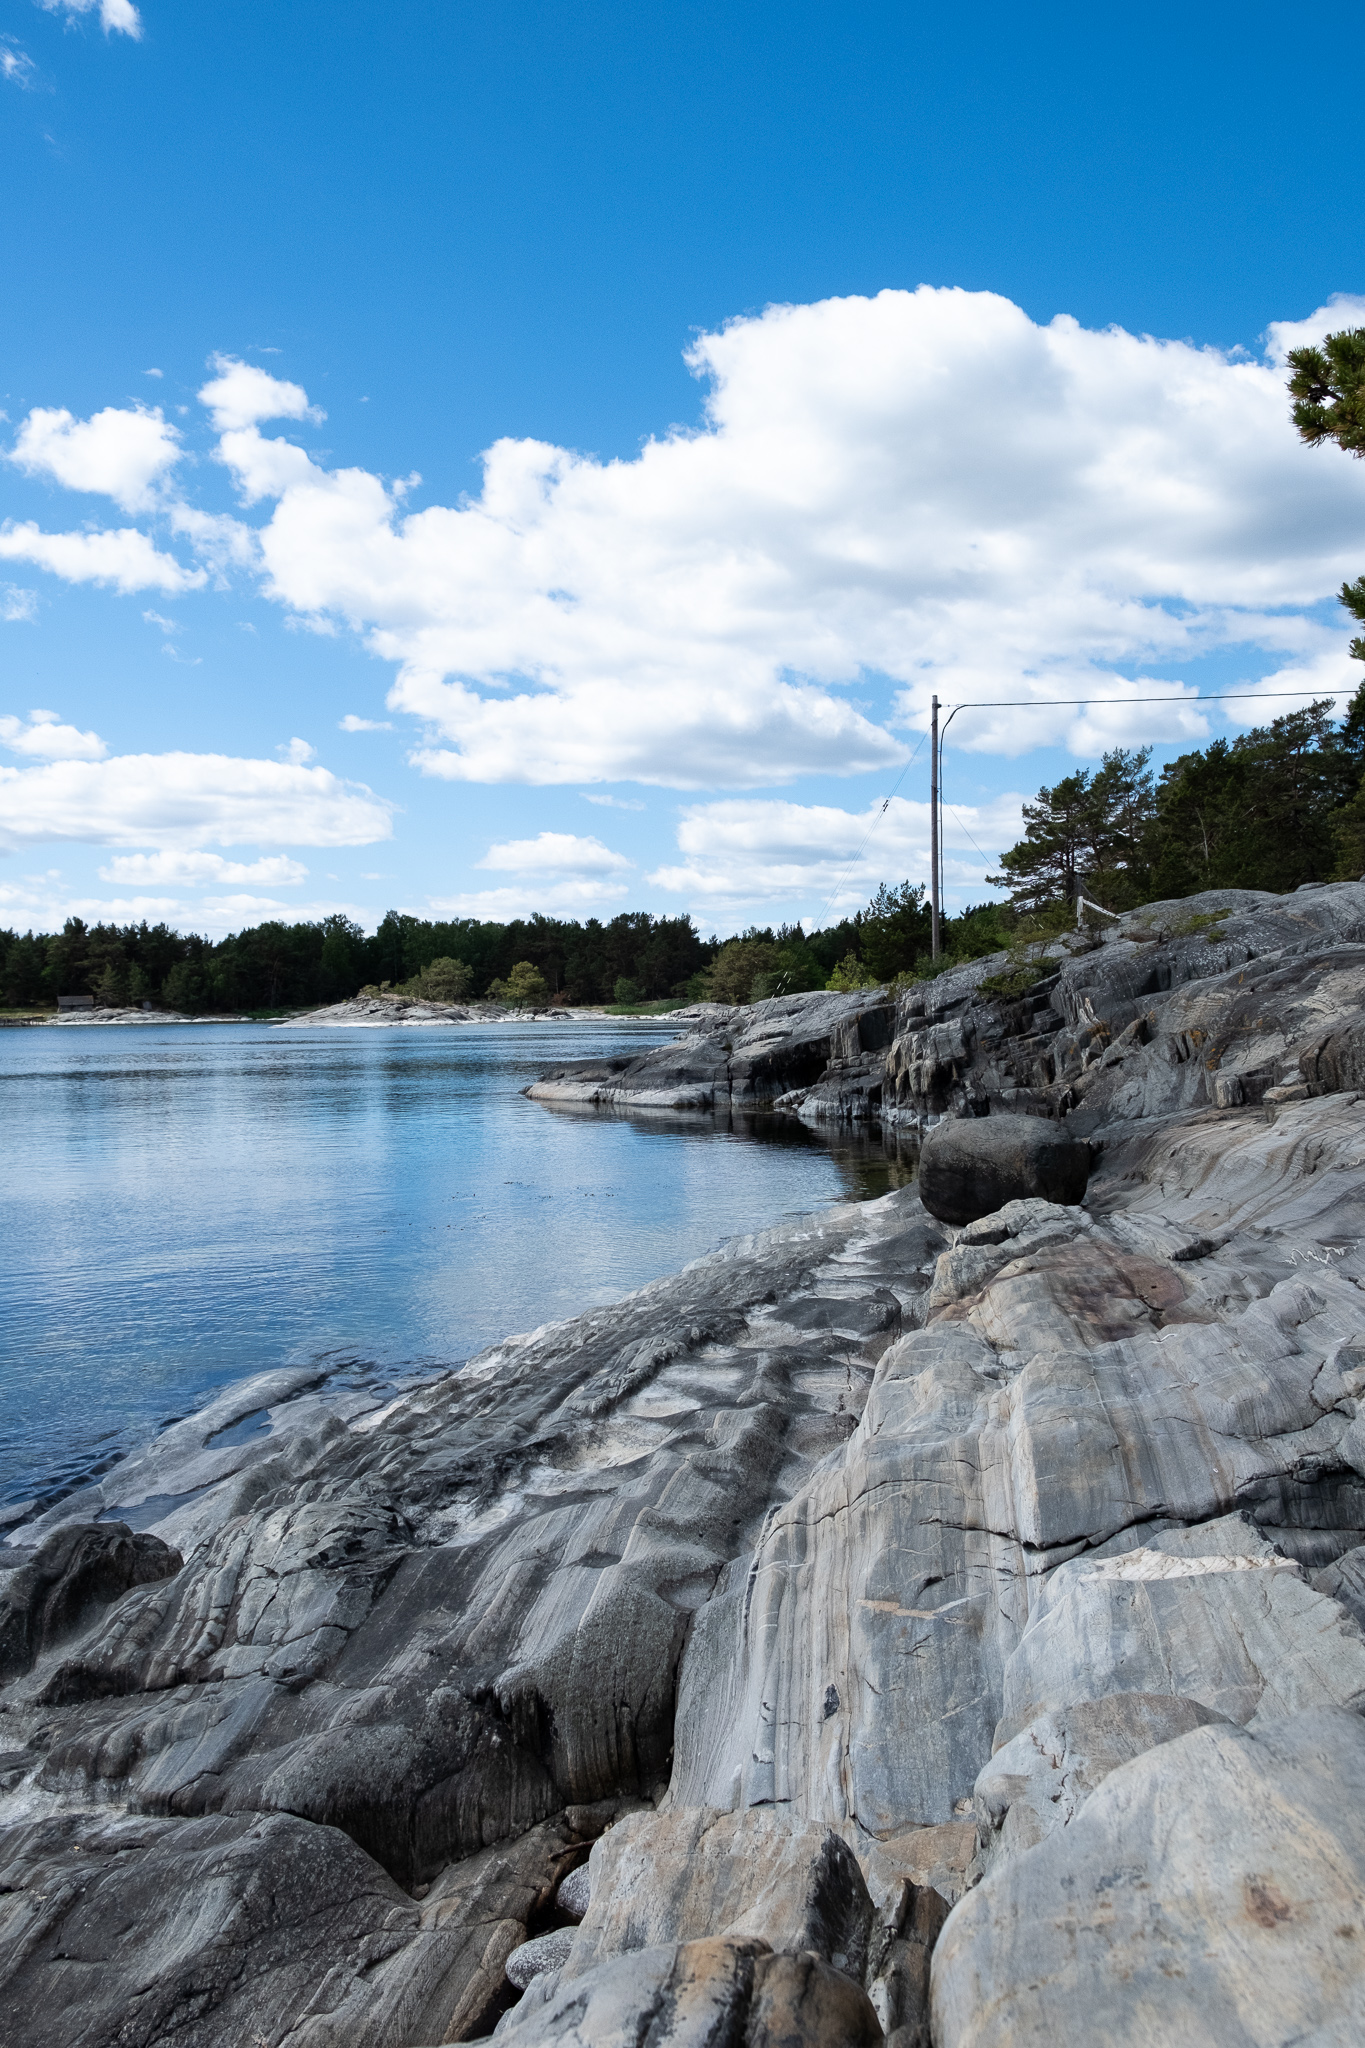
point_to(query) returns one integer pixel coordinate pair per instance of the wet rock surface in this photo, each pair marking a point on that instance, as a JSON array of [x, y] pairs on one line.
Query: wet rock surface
[[878, 1629]]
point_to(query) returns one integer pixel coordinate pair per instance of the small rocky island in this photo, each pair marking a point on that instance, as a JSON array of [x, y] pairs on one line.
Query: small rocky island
[[939, 1624]]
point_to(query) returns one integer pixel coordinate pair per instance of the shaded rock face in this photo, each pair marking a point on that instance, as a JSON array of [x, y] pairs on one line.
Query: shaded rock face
[[698, 1994], [1213, 1001], [879, 1629], [198, 1931], [1218, 1001], [973, 1166], [733, 1059], [77, 1570]]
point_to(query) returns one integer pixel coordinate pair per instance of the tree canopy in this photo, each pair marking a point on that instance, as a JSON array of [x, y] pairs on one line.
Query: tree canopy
[[1327, 385], [1086, 830], [1273, 808]]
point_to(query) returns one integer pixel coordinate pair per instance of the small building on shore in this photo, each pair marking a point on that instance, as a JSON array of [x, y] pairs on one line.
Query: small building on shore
[[75, 1002]]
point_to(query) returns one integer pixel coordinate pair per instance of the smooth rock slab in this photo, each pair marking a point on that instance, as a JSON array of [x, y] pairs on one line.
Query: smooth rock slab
[[139, 1933], [1243, 1636], [971, 1166], [1040, 1781], [1210, 1895], [677, 1877]]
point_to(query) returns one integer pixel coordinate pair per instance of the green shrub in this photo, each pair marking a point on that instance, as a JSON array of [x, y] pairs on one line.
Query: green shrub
[[1017, 977], [443, 981], [1207, 921], [849, 975], [524, 989], [737, 966]]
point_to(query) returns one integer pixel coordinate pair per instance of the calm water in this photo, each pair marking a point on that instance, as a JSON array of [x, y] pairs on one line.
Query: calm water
[[184, 1206]]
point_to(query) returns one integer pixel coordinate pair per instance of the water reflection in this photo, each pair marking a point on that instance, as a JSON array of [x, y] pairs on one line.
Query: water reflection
[[870, 1160], [185, 1207]]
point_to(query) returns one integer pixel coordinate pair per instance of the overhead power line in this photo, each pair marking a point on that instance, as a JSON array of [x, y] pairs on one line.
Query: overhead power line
[[1212, 697], [1043, 703], [938, 733]]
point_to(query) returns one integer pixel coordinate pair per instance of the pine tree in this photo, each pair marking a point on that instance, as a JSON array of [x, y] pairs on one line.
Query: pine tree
[[1328, 390], [1084, 834]]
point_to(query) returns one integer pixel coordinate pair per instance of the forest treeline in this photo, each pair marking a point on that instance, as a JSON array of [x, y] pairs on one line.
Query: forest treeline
[[1278, 806], [633, 958]]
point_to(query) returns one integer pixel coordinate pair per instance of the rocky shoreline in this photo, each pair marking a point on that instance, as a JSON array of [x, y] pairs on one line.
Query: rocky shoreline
[[369, 1013], [879, 1630], [128, 1016], [358, 1013]]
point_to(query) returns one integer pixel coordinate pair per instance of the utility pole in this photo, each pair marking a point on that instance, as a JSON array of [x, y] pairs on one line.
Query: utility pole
[[933, 826]]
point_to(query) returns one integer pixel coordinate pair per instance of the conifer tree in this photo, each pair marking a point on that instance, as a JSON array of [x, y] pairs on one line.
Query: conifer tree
[[1328, 390], [1327, 386]]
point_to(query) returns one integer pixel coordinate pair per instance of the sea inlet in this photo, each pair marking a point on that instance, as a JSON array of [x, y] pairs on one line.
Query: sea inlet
[[189, 1205]]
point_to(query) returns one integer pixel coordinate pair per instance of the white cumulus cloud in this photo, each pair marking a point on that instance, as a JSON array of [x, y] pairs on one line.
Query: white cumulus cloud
[[925, 485], [45, 736], [17, 605], [216, 537], [749, 852], [562, 853], [200, 870], [351, 723], [1343, 309], [123, 557], [181, 801], [122, 452], [240, 395]]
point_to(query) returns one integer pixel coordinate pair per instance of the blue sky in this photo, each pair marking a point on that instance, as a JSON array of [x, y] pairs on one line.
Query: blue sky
[[583, 437]]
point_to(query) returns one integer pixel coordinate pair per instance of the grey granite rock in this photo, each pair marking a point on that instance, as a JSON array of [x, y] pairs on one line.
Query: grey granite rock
[[731, 1059], [75, 1571], [972, 1166], [575, 1893], [1040, 1780], [783, 1576], [700, 1994], [543, 1953], [898, 1967], [1210, 1894], [1240, 1634], [198, 1931], [667, 1878], [438, 1625], [447, 1981]]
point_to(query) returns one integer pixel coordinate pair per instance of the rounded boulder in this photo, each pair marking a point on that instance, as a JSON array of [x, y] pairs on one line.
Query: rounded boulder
[[972, 1166]]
